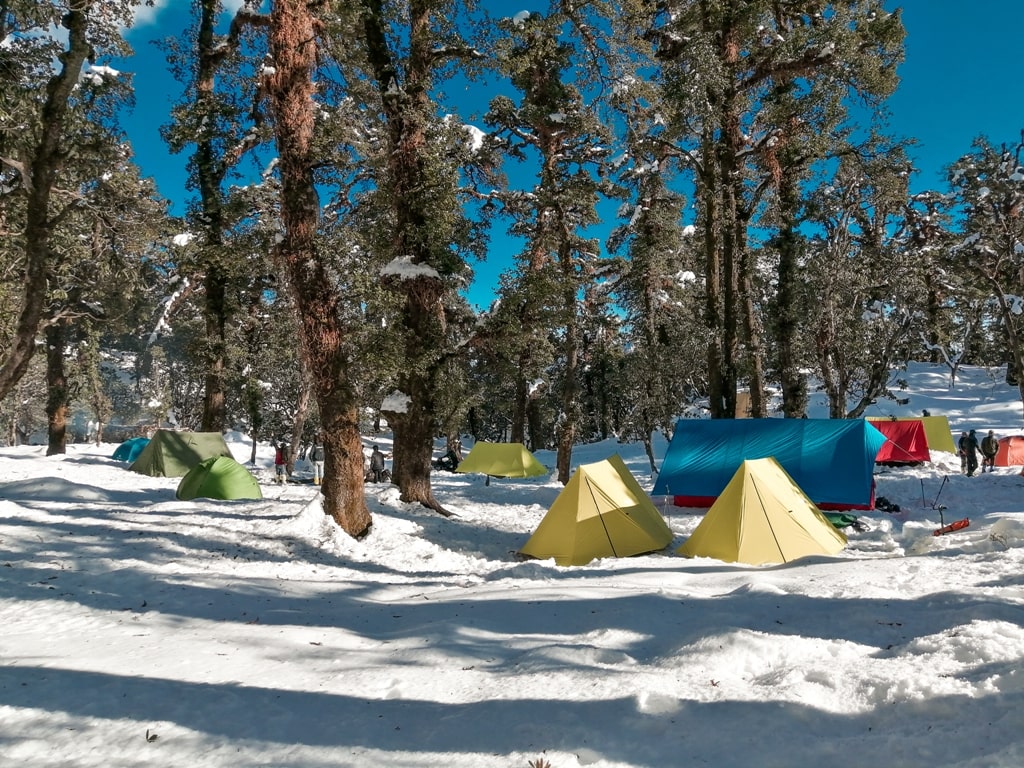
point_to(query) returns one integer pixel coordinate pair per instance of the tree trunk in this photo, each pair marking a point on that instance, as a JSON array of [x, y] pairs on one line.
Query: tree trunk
[[787, 312], [44, 164], [535, 425], [56, 390], [649, 450], [570, 387], [708, 193], [215, 310], [520, 403], [423, 318], [209, 175], [301, 413], [291, 88], [732, 249], [751, 326], [1011, 329]]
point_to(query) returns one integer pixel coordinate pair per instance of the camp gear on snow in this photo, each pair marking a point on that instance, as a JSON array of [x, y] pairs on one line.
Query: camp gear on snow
[[172, 454], [448, 462], [762, 516], [831, 460], [954, 526], [601, 512], [219, 477], [942, 485], [885, 505], [842, 520]]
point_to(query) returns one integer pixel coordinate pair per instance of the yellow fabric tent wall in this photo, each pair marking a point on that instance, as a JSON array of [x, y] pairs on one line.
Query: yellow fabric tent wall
[[936, 431], [501, 460], [601, 512], [762, 517]]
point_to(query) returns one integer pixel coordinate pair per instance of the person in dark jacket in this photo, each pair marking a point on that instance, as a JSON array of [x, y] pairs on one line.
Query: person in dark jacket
[[971, 448], [316, 456], [961, 451], [377, 465], [989, 449]]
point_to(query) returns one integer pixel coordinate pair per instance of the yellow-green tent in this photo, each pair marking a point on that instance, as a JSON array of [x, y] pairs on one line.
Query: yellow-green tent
[[936, 431], [601, 512], [501, 460], [761, 517]]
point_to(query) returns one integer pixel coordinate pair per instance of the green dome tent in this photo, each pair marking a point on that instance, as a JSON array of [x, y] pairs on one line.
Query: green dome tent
[[130, 449], [219, 477], [173, 454]]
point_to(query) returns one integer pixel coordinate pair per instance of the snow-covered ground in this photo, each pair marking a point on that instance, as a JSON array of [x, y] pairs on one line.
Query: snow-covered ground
[[139, 630]]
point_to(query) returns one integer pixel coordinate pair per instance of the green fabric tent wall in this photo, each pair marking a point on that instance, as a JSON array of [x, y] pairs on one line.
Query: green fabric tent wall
[[501, 460], [173, 454], [219, 477], [762, 517], [601, 512]]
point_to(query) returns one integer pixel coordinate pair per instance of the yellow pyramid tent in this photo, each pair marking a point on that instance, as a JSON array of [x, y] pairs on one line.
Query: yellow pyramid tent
[[761, 517], [601, 512], [501, 460]]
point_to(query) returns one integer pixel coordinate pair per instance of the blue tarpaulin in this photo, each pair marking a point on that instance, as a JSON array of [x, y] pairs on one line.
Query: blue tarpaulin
[[832, 460], [130, 449]]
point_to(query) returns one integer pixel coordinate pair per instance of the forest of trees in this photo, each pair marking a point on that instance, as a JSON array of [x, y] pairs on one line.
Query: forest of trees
[[704, 194]]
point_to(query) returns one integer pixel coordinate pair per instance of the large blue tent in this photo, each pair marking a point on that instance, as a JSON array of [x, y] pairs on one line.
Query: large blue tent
[[832, 460]]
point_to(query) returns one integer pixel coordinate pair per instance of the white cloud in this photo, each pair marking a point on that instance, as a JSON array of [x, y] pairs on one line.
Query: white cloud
[[146, 15]]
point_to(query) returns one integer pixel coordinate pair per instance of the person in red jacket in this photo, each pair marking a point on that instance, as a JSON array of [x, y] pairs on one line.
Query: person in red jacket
[[280, 461]]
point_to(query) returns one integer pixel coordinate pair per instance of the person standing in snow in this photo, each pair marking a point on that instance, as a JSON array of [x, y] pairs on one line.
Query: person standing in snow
[[316, 456], [971, 447], [377, 465], [280, 460], [961, 450], [989, 449]]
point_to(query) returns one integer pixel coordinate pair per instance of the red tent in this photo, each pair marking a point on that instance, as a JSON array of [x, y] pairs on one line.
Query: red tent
[[905, 442], [1011, 451]]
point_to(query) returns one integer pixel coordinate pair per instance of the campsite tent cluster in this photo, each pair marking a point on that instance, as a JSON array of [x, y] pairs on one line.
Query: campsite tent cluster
[[765, 483], [202, 460], [759, 513]]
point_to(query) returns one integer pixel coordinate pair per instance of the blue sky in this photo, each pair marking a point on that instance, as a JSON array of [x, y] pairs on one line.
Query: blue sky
[[962, 77]]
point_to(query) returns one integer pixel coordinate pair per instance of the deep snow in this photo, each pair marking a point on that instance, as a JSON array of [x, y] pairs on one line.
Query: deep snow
[[141, 630]]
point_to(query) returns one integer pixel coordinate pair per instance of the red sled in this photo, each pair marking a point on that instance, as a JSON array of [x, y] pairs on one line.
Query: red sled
[[952, 527]]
